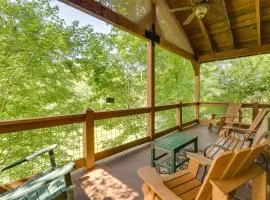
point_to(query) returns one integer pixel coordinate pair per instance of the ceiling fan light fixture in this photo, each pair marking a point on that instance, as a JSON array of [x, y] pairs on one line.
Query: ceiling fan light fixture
[[201, 11]]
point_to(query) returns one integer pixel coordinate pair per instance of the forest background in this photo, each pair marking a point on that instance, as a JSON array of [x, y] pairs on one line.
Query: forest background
[[48, 68]]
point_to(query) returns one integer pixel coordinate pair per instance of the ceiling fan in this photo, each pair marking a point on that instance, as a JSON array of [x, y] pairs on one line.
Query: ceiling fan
[[199, 9]]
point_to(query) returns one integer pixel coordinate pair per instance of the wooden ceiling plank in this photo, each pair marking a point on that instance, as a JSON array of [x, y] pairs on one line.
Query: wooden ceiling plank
[[258, 22], [145, 20], [228, 22], [235, 53], [103, 13], [205, 34], [178, 29]]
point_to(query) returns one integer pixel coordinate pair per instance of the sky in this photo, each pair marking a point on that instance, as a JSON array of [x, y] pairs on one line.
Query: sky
[[70, 14]]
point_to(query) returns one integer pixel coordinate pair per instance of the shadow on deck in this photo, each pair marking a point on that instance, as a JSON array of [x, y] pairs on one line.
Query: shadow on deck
[[116, 177]]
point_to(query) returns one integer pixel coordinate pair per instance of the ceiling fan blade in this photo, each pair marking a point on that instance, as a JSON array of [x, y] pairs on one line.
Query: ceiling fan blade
[[190, 18], [216, 11], [181, 8]]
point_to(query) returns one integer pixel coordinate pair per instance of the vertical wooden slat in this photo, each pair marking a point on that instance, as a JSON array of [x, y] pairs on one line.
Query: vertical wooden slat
[[151, 78], [196, 68], [88, 134], [240, 115], [255, 110]]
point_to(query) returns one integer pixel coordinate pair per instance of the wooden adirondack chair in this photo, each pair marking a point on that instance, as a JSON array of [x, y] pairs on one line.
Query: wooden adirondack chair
[[232, 111], [233, 138], [54, 183], [227, 172]]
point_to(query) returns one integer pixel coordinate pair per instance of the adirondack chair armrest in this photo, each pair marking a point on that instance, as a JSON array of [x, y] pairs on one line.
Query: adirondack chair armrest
[[213, 115], [240, 130], [228, 185], [202, 160], [48, 149], [154, 183]]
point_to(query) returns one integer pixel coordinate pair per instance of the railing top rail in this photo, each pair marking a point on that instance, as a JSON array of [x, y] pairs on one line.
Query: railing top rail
[[120, 113], [188, 104], [8, 126], [244, 105], [166, 107]]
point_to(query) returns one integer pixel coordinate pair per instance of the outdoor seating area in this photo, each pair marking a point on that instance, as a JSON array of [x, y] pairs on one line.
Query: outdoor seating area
[[118, 177], [135, 153]]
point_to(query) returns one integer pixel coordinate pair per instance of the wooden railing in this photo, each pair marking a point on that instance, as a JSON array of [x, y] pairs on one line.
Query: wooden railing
[[253, 106], [88, 119]]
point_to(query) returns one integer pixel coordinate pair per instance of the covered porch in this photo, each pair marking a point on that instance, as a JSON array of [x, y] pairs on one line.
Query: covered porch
[[106, 169], [116, 177]]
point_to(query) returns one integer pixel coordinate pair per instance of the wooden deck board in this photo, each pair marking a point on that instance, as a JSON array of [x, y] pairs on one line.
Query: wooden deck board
[[116, 177]]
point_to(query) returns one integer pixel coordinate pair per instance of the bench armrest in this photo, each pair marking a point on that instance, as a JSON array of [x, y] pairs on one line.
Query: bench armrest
[[31, 156], [204, 161], [155, 182], [40, 182]]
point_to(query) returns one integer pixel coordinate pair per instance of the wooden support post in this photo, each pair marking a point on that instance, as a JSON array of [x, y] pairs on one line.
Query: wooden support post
[[179, 121], [240, 115], [88, 134], [151, 78], [255, 110], [196, 68], [258, 22]]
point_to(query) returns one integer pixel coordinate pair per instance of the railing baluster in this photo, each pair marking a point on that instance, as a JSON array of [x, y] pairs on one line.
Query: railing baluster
[[179, 116], [255, 110], [88, 142]]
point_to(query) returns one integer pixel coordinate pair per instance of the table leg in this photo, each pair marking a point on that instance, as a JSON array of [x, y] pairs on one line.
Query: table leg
[[196, 145], [173, 155], [153, 156]]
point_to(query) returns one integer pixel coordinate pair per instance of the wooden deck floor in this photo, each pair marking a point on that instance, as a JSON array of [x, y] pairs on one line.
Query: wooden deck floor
[[116, 177]]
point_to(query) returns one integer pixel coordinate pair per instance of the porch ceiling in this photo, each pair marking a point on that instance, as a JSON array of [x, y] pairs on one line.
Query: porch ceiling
[[242, 28]]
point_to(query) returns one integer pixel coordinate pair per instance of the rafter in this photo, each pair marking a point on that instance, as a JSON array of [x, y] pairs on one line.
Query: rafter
[[234, 53], [228, 22], [258, 21], [205, 34]]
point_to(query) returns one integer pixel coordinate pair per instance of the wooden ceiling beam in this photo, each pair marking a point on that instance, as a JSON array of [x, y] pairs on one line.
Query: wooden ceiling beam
[[234, 53], [228, 22], [205, 34], [258, 22]]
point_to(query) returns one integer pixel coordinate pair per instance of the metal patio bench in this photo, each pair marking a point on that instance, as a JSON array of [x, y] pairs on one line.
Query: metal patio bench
[[54, 183]]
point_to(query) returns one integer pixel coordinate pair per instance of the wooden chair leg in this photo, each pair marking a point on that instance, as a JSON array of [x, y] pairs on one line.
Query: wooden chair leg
[[210, 125], [259, 187], [217, 194], [210, 122], [147, 192]]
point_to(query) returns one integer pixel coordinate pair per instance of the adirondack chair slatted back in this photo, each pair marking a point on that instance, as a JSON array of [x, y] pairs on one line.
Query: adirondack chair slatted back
[[258, 119], [232, 112], [227, 166]]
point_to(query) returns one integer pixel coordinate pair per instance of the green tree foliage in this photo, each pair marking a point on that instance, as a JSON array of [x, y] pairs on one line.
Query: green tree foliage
[[244, 80], [48, 67]]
